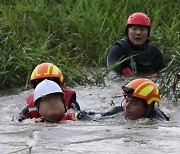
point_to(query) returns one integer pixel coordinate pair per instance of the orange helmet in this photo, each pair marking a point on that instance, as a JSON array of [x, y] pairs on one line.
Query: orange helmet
[[47, 71], [143, 88]]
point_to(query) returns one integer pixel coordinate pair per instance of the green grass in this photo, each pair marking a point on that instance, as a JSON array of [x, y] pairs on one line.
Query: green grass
[[77, 35], [169, 80]]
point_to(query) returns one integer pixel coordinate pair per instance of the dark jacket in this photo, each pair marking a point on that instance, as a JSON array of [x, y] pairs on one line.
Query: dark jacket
[[148, 59]]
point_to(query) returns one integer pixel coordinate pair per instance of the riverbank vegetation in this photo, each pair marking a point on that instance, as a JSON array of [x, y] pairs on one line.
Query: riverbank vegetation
[[76, 35]]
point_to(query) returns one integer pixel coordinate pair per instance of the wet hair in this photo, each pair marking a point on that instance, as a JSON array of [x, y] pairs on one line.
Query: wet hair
[[37, 81]]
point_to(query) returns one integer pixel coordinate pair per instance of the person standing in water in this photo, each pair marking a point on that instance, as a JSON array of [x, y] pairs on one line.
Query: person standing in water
[[144, 58]]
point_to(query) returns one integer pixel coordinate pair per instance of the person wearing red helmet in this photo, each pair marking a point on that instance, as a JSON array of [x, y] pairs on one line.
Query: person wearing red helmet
[[51, 72], [144, 58], [140, 96]]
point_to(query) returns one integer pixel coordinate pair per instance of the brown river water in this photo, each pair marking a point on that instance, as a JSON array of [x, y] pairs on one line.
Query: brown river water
[[113, 135]]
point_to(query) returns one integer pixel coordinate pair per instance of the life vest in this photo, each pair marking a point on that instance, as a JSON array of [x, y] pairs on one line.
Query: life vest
[[33, 113], [67, 96], [68, 116]]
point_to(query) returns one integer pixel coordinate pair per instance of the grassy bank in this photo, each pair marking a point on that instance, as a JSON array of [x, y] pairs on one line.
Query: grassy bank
[[76, 35]]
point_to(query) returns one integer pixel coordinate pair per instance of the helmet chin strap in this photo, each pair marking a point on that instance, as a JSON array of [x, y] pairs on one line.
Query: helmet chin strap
[[122, 102], [146, 109], [38, 111], [145, 112]]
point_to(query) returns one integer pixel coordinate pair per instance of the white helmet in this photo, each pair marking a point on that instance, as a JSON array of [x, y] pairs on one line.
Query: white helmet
[[44, 88]]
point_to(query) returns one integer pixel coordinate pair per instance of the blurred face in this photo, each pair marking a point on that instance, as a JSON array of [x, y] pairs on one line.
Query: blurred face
[[137, 34], [133, 108], [51, 107]]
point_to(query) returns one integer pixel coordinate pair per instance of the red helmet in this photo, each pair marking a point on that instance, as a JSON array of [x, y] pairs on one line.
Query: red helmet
[[138, 18]]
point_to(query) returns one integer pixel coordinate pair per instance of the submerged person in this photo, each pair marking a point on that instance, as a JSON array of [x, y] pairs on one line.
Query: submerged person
[[50, 104], [140, 96], [51, 72], [144, 58]]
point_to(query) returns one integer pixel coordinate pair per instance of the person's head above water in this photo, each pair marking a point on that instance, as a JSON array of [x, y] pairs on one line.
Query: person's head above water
[[46, 71], [49, 99], [138, 28], [140, 97]]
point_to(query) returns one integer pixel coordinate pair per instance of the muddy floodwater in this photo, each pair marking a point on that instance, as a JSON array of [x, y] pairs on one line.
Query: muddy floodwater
[[113, 135]]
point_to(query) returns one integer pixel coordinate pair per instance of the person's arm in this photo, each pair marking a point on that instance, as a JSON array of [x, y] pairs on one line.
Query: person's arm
[[113, 111], [114, 56], [84, 116], [22, 115], [158, 62], [110, 112], [157, 114]]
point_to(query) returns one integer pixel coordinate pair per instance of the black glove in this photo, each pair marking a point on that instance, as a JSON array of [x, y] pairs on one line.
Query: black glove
[[19, 118], [82, 115]]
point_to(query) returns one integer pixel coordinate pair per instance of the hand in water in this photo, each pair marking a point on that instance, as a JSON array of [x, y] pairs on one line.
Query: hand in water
[[19, 118], [82, 115]]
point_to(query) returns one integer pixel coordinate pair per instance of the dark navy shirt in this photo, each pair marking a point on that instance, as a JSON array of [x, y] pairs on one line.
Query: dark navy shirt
[[149, 59]]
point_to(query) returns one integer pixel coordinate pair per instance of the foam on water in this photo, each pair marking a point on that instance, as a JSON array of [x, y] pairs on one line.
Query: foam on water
[[108, 135]]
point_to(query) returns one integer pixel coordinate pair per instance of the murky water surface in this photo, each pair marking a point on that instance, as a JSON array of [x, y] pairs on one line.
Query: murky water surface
[[112, 135]]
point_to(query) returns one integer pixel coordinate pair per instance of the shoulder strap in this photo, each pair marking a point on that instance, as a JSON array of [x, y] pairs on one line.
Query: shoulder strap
[[30, 100], [67, 96], [125, 45], [33, 113]]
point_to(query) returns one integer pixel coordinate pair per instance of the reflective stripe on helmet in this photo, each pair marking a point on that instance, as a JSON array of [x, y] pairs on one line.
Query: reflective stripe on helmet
[[45, 71], [55, 70], [145, 89], [155, 99], [48, 70], [36, 71], [61, 79]]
